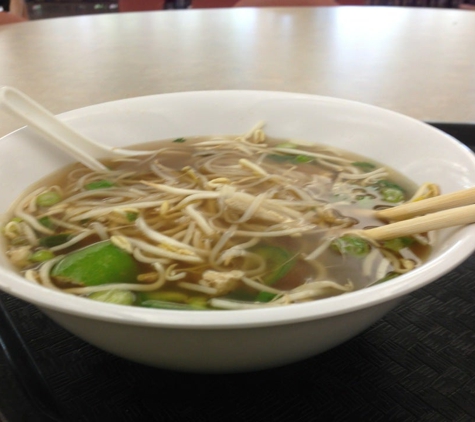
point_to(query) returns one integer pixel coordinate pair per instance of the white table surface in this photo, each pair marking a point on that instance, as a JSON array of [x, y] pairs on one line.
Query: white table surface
[[417, 61]]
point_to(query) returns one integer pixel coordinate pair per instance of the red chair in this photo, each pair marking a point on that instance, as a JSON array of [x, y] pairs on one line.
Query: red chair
[[140, 5]]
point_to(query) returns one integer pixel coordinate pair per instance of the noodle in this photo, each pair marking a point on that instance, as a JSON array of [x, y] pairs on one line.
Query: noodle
[[214, 223]]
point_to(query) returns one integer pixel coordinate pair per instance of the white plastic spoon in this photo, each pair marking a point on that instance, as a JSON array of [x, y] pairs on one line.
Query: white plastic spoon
[[59, 133]]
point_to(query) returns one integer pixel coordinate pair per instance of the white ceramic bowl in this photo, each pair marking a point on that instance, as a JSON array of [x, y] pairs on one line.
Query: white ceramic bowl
[[230, 341]]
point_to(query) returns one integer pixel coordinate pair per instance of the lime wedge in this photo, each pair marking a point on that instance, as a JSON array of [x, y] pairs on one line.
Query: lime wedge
[[100, 263]]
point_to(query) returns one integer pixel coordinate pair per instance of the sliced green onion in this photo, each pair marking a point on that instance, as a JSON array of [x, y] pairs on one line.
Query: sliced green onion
[[46, 221], [180, 140], [388, 184], [392, 195], [99, 184], [131, 216], [41, 255], [297, 159], [351, 245], [397, 244], [48, 199], [364, 166], [390, 191], [301, 159]]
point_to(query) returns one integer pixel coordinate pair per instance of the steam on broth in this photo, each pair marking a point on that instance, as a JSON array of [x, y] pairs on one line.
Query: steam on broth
[[214, 223]]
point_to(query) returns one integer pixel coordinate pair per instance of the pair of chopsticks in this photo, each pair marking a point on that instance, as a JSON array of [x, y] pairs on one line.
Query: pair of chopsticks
[[449, 210]]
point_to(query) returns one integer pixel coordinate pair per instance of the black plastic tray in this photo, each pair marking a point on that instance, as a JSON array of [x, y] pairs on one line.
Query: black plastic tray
[[416, 364]]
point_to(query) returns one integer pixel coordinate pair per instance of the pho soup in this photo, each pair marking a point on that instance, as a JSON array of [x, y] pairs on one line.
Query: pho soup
[[214, 223]]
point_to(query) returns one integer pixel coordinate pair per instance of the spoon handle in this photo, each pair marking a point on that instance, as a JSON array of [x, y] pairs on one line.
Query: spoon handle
[[48, 126]]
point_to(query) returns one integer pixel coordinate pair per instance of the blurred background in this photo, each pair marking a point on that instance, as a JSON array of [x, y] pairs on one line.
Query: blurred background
[[41, 9]]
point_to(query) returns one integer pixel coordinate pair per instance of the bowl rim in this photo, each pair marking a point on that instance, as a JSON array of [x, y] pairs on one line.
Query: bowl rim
[[49, 300]]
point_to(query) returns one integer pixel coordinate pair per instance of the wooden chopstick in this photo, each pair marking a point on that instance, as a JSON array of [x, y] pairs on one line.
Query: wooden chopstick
[[435, 221], [425, 206]]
